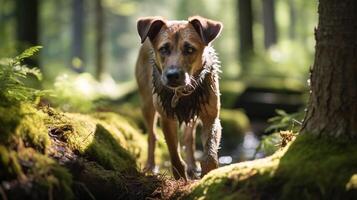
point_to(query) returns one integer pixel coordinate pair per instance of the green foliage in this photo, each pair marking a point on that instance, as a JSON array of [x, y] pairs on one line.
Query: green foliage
[[287, 62], [12, 79], [83, 93], [27, 53], [269, 144], [278, 126], [285, 121], [75, 93]]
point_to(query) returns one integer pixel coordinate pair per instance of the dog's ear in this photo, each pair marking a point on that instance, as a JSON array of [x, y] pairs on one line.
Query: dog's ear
[[206, 28], [149, 27]]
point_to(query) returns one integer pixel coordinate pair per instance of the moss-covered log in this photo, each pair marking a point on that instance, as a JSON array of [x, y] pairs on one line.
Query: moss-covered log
[[307, 168]]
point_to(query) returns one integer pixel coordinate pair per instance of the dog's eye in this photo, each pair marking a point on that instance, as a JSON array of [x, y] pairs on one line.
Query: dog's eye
[[189, 50], [164, 50]]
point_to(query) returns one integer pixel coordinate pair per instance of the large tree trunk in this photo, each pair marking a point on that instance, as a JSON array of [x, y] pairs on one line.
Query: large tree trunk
[[332, 108], [270, 36], [245, 19], [99, 25], [78, 36], [27, 27]]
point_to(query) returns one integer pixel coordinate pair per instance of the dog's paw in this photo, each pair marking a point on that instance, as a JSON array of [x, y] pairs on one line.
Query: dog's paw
[[193, 172], [208, 164], [151, 169]]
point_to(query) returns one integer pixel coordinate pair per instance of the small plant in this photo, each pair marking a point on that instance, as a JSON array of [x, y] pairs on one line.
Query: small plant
[[283, 129], [12, 79], [285, 121]]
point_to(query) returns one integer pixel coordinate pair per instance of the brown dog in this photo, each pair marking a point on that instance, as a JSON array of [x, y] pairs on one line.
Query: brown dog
[[177, 74]]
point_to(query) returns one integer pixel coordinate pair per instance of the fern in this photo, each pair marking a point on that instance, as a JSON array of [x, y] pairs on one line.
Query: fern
[[28, 53], [282, 128], [285, 121], [12, 76]]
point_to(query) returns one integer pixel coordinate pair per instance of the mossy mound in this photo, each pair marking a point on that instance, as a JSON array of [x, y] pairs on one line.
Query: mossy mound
[[27, 174], [307, 168], [106, 138], [47, 154], [133, 113], [230, 91], [235, 124], [26, 122]]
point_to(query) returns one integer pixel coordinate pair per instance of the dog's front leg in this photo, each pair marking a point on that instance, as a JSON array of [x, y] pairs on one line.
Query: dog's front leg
[[190, 148], [169, 127], [211, 136]]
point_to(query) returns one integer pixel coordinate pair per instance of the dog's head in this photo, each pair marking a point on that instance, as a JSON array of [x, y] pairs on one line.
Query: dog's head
[[179, 46]]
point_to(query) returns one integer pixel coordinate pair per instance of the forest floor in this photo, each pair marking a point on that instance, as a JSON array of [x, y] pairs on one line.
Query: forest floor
[[49, 154]]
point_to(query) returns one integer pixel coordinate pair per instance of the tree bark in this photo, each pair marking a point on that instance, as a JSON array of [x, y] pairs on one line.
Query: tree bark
[[270, 36], [332, 107], [27, 27], [99, 39], [78, 36], [245, 26]]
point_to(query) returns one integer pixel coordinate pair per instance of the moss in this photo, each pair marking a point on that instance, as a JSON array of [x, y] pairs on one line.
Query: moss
[[133, 113], [134, 140], [352, 183], [101, 141], [25, 122], [234, 120], [32, 128], [307, 168], [47, 174], [108, 184], [230, 91], [235, 124], [9, 119], [109, 141], [9, 165], [33, 175]]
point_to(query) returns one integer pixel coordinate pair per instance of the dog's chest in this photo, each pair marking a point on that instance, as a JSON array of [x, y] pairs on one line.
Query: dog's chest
[[187, 107]]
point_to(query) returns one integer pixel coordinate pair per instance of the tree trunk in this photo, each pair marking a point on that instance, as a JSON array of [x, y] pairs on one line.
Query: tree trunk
[[332, 108], [99, 23], [245, 19], [292, 14], [27, 27], [78, 36], [270, 36]]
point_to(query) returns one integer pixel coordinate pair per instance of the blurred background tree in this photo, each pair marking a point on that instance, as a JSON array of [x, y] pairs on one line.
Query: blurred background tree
[[90, 49], [87, 35], [78, 35], [27, 26]]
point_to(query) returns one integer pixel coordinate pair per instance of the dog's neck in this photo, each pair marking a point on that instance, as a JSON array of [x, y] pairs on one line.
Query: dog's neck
[[186, 103]]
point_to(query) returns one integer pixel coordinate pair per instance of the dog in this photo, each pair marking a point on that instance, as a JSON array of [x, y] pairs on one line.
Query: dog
[[177, 75]]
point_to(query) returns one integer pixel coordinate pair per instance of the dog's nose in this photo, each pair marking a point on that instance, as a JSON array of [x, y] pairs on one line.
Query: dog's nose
[[175, 76]]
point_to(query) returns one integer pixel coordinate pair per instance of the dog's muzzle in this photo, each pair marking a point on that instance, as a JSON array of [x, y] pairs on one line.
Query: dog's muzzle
[[174, 77]]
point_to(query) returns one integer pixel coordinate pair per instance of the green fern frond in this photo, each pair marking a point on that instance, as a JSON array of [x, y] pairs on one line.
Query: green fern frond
[[28, 53], [285, 121], [12, 76]]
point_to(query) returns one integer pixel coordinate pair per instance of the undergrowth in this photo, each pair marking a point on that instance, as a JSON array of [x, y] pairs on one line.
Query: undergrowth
[[13, 75]]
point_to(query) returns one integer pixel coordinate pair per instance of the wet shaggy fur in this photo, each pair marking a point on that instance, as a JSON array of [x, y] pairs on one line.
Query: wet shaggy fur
[[188, 107]]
